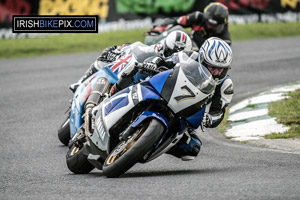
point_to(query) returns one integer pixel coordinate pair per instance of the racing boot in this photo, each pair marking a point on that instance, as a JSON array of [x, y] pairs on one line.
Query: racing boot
[[188, 147]]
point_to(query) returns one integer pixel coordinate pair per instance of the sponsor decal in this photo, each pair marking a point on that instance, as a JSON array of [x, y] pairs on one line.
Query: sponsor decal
[[74, 7], [16, 7], [154, 6]]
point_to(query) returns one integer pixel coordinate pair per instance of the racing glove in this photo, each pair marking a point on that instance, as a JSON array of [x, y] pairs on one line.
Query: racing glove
[[110, 54], [212, 120], [207, 120], [149, 68]]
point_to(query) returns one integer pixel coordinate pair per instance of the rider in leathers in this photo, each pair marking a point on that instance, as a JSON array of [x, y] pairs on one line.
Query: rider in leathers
[[216, 56], [174, 42], [213, 22]]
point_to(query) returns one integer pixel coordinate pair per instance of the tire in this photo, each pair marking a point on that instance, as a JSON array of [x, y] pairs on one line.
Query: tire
[[64, 132], [77, 162], [127, 153]]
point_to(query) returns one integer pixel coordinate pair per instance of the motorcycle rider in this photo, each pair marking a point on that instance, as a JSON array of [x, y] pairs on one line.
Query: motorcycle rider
[[216, 55], [213, 22], [174, 42]]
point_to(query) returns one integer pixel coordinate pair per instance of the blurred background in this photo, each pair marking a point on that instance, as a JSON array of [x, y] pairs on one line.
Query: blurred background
[[141, 13], [122, 21]]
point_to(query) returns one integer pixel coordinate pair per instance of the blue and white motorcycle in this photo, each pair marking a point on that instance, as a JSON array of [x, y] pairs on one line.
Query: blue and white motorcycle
[[108, 75], [143, 121]]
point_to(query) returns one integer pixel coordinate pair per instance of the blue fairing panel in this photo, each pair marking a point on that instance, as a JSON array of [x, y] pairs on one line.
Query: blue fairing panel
[[106, 72], [117, 103], [149, 114], [75, 120], [77, 109], [148, 92], [196, 119], [159, 80]]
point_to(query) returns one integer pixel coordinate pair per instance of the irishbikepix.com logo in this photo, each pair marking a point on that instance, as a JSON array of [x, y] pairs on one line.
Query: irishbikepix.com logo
[[55, 24]]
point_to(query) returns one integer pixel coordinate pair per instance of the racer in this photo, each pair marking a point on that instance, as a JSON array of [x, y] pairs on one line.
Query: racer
[[174, 42], [213, 22], [216, 55]]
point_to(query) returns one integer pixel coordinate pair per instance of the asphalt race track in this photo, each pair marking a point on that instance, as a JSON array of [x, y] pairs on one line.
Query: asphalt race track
[[34, 97]]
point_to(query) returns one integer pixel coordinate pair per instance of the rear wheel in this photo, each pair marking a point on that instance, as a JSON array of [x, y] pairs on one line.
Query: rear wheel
[[77, 161], [129, 152], [64, 131]]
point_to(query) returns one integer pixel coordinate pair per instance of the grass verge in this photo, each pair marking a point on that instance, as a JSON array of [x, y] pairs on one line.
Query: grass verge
[[66, 43], [74, 43], [287, 112], [264, 30]]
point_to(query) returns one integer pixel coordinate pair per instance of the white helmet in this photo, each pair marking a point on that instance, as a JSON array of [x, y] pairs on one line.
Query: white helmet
[[216, 54], [177, 41]]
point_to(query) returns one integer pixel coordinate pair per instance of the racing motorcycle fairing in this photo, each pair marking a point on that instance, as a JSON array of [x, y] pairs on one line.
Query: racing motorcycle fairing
[[150, 114], [117, 106], [83, 92], [196, 119], [104, 127], [181, 90], [186, 88], [122, 106], [159, 81]]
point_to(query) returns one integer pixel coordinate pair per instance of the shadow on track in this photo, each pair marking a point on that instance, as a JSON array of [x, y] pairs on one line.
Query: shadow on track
[[173, 172], [136, 174]]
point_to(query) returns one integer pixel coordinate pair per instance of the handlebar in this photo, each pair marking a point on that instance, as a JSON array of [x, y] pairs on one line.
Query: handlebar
[[140, 67]]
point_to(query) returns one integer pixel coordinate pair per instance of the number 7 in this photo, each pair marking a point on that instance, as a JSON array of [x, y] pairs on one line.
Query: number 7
[[184, 97]]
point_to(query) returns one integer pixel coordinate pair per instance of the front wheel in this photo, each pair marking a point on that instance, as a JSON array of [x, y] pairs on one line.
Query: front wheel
[[129, 152], [77, 162], [64, 131]]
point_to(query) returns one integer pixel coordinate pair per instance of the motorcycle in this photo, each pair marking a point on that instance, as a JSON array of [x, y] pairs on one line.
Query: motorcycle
[[108, 75], [143, 121]]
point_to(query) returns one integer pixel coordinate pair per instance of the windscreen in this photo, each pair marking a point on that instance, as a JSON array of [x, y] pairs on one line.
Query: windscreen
[[198, 75]]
